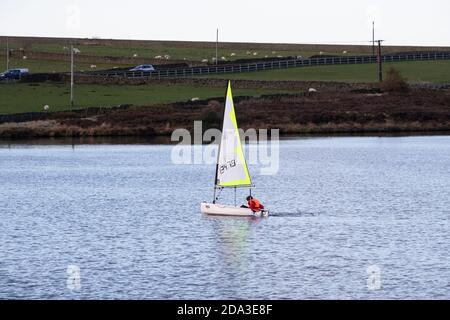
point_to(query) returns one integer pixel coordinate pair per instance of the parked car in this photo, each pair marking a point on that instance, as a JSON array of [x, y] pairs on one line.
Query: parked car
[[14, 74], [143, 67]]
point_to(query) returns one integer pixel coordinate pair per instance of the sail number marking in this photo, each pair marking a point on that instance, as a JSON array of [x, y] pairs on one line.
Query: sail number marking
[[228, 165]]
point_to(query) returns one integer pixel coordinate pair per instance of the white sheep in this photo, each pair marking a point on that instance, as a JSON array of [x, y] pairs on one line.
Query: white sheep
[[93, 66], [205, 60], [195, 99], [135, 55], [232, 54], [344, 52], [223, 58], [248, 52], [312, 90], [166, 56], [158, 57], [24, 57], [321, 52], [279, 56], [255, 53], [76, 50], [46, 107]]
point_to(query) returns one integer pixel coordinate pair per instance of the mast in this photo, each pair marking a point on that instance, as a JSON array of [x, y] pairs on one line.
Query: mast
[[220, 142], [215, 182]]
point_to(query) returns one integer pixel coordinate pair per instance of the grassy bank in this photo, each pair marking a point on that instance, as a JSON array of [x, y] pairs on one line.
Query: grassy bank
[[17, 98], [414, 71]]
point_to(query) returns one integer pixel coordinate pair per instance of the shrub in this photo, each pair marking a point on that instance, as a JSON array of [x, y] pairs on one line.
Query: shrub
[[394, 82], [211, 118]]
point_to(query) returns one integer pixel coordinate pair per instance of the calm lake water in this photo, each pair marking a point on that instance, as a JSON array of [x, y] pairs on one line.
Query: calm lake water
[[354, 218]]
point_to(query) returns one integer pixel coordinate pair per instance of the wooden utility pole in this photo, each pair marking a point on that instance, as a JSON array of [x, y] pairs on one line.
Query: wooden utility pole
[[71, 77], [217, 46], [373, 38], [380, 61], [7, 53]]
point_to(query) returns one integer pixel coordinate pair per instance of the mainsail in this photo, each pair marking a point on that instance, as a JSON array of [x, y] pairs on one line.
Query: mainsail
[[232, 168]]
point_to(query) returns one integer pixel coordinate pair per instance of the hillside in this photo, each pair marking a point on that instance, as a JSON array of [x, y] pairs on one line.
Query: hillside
[[51, 54]]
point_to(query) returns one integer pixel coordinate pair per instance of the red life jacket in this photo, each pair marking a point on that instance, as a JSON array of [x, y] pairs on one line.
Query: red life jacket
[[255, 205]]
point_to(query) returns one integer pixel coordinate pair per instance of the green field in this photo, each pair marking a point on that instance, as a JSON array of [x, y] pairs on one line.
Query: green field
[[16, 98], [190, 51], [197, 51], [178, 53], [48, 66], [184, 51], [189, 54], [41, 65], [417, 71]]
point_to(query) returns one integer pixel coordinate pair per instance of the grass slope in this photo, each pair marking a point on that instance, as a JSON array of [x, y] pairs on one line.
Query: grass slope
[[16, 98], [414, 71]]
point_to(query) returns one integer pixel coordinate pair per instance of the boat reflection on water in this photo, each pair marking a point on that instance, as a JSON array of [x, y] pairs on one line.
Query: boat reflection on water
[[233, 238]]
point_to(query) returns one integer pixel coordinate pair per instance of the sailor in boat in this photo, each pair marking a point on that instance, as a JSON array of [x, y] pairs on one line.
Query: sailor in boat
[[254, 204]]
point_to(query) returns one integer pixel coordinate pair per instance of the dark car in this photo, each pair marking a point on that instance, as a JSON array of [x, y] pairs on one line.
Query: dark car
[[15, 74]]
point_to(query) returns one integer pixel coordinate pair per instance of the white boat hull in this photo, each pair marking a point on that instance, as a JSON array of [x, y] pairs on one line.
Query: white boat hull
[[224, 210]]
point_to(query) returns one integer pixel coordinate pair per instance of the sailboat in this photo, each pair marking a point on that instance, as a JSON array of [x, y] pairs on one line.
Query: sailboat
[[231, 167]]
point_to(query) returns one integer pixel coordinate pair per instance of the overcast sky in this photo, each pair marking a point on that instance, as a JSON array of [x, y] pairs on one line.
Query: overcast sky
[[400, 22]]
